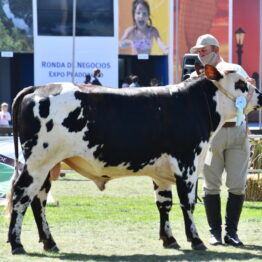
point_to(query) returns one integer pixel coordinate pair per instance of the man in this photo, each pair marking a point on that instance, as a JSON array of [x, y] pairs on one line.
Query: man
[[229, 150], [134, 81]]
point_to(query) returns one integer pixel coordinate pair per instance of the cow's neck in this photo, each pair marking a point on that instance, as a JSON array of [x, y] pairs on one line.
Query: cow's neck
[[208, 103]]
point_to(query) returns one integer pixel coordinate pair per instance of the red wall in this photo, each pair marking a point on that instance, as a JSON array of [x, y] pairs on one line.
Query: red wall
[[246, 15]]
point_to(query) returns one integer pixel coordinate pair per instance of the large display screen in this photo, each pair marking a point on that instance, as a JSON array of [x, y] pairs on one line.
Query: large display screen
[[93, 18]]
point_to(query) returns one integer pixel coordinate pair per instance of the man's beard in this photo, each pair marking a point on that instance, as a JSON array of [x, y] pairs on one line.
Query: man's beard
[[210, 59]]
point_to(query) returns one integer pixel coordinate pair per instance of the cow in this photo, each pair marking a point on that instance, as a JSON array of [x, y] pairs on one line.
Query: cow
[[105, 133]]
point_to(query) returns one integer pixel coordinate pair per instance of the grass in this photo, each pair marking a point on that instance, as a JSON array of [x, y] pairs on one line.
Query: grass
[[122, 224]]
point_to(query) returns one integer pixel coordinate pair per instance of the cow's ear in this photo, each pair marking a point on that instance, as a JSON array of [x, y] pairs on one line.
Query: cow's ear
[[199, 68], [212, 73]]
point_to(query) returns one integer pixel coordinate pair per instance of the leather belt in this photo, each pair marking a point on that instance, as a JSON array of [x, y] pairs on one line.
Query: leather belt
[[229, 124]]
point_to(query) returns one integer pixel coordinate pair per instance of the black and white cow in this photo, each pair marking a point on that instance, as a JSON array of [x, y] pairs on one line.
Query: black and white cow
[[105, 133]]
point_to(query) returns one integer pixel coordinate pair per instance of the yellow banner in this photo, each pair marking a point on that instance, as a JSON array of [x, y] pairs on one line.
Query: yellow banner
[[136, 34]]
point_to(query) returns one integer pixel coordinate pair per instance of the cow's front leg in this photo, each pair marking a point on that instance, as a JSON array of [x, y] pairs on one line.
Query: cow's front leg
[[164, 205], [186, 192], [38, 206]]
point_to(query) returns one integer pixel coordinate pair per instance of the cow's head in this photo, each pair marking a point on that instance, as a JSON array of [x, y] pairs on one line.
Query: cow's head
[[232, 85]]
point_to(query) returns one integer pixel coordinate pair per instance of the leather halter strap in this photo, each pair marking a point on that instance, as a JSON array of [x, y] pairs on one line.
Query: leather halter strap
[[233, 98]]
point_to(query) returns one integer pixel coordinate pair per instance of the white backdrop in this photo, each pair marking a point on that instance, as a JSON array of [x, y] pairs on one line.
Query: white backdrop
[[53, 56]]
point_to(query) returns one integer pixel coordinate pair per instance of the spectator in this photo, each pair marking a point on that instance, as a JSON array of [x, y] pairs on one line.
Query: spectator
[[127, 81], [96, 75], [134, 81], [88, 79], [5, 116], [154, 82]]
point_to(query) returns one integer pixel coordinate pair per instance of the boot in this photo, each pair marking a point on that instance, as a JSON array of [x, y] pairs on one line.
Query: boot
[[213, 207], [233, 211]]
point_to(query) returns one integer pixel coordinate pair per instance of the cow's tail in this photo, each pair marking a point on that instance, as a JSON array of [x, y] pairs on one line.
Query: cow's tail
[[15, 112]]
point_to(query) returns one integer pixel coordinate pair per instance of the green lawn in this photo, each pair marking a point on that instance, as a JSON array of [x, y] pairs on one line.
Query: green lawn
[[122, 224]]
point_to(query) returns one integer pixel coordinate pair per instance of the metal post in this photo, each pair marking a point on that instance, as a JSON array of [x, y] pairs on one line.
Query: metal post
[[239, 54], [260, 62], [177, 41], [73, 46], [230, 30], [171, 44]]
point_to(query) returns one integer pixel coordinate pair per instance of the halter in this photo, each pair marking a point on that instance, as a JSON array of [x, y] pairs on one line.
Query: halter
[[233, 98]]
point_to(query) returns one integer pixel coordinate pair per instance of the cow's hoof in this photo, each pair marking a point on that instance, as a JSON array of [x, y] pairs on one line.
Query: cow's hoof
[[173, 245], [53, 249], [199, 246], [169, 242], [50, 245], [18, 251]]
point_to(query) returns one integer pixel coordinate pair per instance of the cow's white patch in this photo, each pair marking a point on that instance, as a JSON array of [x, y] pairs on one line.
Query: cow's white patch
[[174, 166], [43, 196], [193, 227], [168, 229], [199, 160]]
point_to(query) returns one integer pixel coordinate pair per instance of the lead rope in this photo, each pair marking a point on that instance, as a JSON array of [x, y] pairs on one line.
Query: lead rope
[[231, 97], [249, 95], [208, 108]]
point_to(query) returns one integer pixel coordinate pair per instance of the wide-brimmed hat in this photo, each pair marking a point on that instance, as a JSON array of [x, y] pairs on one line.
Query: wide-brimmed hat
[[203, 41]]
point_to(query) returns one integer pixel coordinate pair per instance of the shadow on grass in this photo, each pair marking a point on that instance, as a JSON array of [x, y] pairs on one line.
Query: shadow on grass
[[253, 207], [186, 255], [252, 247], [74, 180]]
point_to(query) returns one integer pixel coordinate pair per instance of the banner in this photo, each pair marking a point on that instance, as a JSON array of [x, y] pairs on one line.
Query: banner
[[95, 45], [7, 161]]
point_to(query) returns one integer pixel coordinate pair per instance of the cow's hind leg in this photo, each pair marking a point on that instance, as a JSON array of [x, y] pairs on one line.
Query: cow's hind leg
[[24, 190], [186, 192], [38, 206], [164, 205]]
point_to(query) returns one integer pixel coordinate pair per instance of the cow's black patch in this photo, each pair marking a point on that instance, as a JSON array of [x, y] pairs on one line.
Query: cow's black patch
[[47, 184], [23, 182], [25, 199], [49, 125], [190, 187], [28, 131], [155, 186], [45, 145], [138, 128], [164, 203], [166, 194], [44, 106], [12, 233], [37, 208], [241, 85], [259, 100], [74, 122]]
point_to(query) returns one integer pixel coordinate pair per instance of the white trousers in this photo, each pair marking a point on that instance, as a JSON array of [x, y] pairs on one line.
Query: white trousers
[[229, 151]]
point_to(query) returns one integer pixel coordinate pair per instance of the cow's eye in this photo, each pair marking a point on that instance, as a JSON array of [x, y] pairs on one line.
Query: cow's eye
[[242, 85]]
